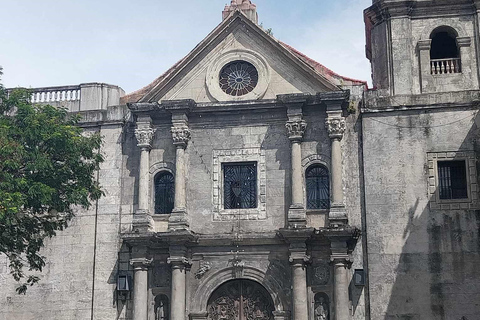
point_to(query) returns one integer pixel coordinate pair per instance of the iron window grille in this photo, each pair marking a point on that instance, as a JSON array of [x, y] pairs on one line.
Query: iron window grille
[[452, 180], [240, 185], [318, 187], [164, 193]]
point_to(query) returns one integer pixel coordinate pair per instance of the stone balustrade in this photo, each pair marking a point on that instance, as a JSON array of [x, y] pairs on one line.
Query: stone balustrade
[[443, 66], [83, 97], [54, 94]]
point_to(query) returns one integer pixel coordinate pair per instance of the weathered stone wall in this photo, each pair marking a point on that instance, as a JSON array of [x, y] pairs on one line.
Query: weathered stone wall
[[422, 262], [82, 257]]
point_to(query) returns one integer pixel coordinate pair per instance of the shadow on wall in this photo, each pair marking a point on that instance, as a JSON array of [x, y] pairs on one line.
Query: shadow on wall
[[443, 283]]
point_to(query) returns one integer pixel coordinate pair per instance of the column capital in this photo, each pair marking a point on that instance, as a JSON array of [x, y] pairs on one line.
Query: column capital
[[335, 126], [141, 264], [296, 129], [179, 262], [180, 135], [144, 137]]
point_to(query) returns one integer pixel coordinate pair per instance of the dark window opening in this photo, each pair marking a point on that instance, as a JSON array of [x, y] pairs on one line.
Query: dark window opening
[[452, 178], [444, 46], [164, 193], [240, 185], [318, 187]]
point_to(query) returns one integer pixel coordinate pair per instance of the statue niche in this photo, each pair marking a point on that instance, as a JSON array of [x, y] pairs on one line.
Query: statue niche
[[240, 300], [322, 307]]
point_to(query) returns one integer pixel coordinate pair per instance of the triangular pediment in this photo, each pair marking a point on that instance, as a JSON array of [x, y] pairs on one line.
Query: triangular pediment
[[280, 70]]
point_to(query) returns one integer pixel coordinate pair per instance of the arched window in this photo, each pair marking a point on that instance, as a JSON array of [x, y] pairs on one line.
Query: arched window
[[444, 52], [162, 308], [318, 187], [164, 192]]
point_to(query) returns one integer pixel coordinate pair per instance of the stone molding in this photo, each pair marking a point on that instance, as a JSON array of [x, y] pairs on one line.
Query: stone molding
[[296, 129], [316, 159], [181, 136], [239, 155], [144, 137], [472, 202], [335, 127], [140, 264], [142, 222], [160, 166]]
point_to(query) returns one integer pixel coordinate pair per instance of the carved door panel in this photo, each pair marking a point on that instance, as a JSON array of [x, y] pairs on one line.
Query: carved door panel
[[240, 300]]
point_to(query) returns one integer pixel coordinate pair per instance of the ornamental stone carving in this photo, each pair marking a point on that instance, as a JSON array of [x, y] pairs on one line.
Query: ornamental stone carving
[[180, 135], [321, 274], [144, 137], [140, 264], [204, 268], [335, 127], [296, 129]]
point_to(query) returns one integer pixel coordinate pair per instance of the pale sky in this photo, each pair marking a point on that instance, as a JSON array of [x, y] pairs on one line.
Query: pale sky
[[130, 43]]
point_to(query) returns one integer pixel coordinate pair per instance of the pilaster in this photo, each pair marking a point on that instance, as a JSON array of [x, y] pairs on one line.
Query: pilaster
[[181, 136], [140, 287], [144, 133], [335, 124], [296, 127], [179, 264]]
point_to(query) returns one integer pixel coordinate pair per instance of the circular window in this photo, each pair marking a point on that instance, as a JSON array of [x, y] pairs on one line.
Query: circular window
[[238, 78]]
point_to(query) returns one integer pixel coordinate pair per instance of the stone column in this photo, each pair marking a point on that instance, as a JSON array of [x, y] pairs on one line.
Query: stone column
[[341, 264], [179, 266], [140, 288], [296, 127], [181, 136], [335, 124], [144, 133], [299, 259]]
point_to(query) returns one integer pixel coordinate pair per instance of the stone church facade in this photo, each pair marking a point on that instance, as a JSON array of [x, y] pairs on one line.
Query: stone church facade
[[251, 182]]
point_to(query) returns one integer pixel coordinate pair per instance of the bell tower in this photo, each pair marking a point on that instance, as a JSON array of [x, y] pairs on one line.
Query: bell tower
[[423, 46]]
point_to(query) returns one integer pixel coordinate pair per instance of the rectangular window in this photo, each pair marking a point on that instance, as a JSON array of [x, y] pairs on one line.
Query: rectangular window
[[240, 185], [452, 178]]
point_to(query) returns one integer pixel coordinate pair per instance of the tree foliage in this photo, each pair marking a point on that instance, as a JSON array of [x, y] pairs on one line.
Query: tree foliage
[[47, 167]]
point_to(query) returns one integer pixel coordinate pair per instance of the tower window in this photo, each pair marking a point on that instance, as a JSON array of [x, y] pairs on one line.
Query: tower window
[[164, 192], [444, 52], [452, 180], [318, 187]]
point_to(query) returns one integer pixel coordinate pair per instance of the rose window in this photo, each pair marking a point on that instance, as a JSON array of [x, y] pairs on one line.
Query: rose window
[[238, 78]]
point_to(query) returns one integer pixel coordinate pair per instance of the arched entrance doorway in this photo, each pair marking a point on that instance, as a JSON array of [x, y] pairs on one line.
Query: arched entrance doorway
[[240, 300]]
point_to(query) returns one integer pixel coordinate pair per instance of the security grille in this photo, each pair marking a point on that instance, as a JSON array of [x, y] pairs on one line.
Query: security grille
[[452, 178], [164, 193], [240, 185], [318, 187]]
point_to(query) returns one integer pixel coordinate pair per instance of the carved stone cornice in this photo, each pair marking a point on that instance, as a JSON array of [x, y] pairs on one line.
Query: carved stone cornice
[[335, 127], [141, 264], [144, 137], [180, 135], [296, 129]]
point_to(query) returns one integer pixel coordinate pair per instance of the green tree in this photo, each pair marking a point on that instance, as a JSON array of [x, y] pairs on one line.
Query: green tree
[[47, 167]]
